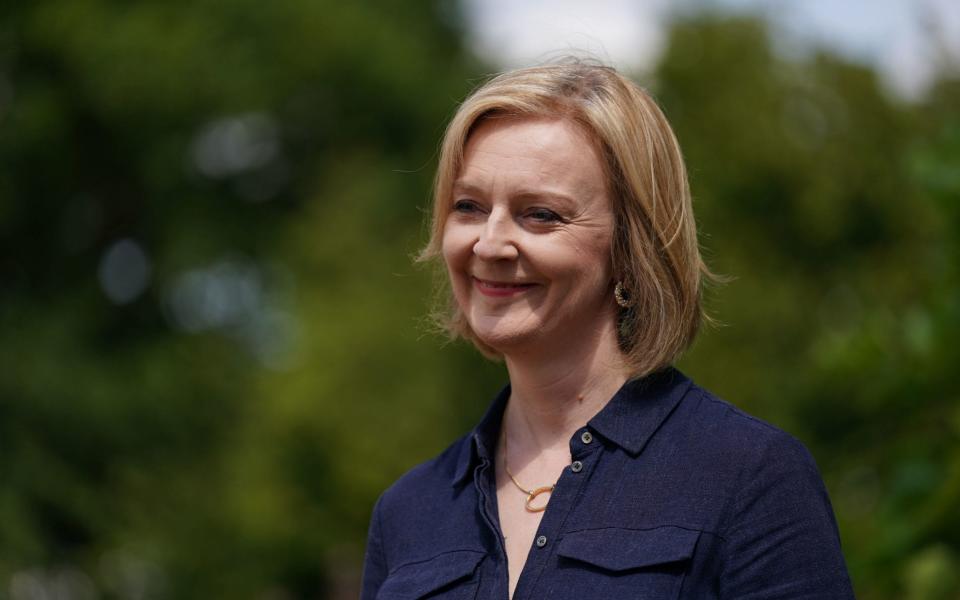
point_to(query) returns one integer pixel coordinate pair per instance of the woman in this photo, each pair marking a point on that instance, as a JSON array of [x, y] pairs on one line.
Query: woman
[[563, 217]]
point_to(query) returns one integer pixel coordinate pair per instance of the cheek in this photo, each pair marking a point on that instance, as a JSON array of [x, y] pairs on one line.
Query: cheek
[[457, 243], [598, 247], [456, 248], [586, 257]]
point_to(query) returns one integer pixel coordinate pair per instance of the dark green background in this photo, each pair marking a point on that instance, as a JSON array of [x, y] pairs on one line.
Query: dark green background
[[223, 430]]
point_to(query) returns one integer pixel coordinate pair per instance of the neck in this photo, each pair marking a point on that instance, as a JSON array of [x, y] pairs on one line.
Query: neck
[[555, 392]]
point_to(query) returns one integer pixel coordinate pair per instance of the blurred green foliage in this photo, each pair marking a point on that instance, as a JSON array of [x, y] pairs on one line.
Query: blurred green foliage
[[213, 348]]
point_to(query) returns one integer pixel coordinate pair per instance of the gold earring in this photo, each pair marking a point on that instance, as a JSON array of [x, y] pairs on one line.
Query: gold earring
[[622, 298]]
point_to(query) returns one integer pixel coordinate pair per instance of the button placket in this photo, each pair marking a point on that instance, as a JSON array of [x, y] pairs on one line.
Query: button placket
[[580, 448], [561, 503]]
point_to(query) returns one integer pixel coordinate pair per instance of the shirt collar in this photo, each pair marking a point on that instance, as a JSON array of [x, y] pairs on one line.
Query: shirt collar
[[482, 441], [638, 409], [629, 420]]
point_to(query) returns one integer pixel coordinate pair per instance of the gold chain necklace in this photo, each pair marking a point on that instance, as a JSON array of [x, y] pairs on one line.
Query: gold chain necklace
[[531, 494]]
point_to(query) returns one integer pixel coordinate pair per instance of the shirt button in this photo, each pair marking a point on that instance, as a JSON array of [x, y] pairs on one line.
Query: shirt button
[[541, 541], [577, 466], [586, 437]]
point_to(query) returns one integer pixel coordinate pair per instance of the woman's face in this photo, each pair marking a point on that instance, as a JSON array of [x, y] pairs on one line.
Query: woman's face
[[527, 239]]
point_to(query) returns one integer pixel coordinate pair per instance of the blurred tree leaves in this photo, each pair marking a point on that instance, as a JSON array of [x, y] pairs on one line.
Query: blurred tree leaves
[[204, 436], [222, 428], [834, 207]]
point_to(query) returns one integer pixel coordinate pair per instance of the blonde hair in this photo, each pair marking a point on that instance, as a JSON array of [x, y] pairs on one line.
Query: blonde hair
[[654, 250]]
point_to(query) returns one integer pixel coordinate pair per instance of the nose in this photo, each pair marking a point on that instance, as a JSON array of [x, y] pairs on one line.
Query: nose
[[496, 241]]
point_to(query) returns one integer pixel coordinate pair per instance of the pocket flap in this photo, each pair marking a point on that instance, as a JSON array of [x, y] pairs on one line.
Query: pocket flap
[[616, 549], [418, 579]]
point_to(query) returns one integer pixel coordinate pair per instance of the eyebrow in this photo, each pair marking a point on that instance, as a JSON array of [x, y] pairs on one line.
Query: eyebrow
[[463, 186]]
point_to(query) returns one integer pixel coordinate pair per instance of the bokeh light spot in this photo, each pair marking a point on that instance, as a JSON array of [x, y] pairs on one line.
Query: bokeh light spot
[[233, 145], [124, 271]]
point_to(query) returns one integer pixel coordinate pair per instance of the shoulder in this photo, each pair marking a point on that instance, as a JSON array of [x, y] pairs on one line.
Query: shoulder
[[425, 512], [708, 446], [426, 487], [420, 518], [763, 470], [774, 522], [732, 435]]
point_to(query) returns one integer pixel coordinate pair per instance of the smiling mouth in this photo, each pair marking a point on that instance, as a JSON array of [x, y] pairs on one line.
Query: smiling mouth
[[501, 289]]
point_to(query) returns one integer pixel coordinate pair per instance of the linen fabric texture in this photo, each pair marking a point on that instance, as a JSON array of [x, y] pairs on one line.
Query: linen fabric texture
[[681, 495]]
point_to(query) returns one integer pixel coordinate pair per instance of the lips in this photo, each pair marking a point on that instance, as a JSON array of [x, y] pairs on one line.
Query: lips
[[501, 289]]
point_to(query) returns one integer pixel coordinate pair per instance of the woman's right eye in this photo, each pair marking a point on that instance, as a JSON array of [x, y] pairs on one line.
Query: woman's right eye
[[465, 206]]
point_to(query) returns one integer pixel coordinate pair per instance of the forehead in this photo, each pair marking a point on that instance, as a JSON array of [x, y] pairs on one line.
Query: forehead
[[539, 151]]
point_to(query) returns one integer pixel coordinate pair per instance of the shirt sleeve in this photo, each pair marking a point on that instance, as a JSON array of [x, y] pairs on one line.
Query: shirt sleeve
[[374, 563], [781, 539]]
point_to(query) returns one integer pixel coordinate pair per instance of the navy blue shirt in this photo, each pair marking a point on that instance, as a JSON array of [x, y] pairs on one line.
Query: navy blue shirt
[[671, 493]]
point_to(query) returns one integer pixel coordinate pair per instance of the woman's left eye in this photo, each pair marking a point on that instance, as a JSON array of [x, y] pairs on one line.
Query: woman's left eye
[[543, 215]]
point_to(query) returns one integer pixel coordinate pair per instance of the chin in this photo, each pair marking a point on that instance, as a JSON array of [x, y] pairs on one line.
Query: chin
[[505, 338], [502, 344]]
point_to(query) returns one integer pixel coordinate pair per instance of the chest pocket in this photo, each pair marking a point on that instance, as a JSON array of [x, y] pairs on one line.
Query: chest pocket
[[450, 576], [624, 563]]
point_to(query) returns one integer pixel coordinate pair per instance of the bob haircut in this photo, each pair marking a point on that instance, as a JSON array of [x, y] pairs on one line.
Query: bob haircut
[[654, 250]]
